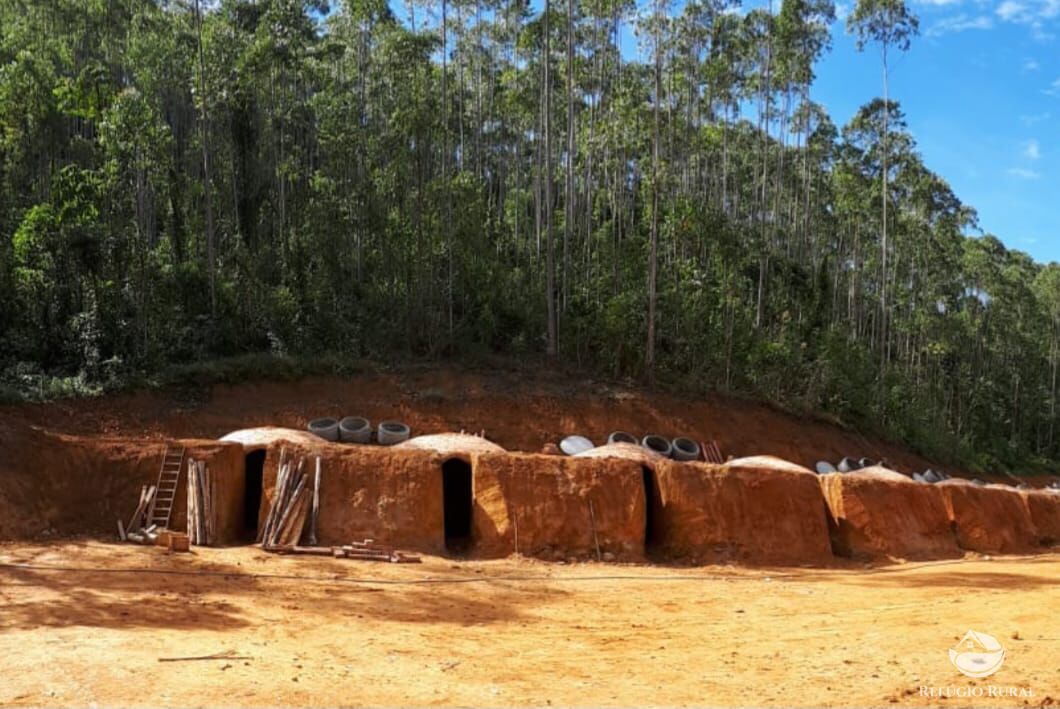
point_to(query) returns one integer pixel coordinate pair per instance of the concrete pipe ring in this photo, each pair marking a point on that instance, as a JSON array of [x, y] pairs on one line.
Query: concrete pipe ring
[[823, 467], [391, 432], [685, 449], [622, 437], [657, 444], [355, 429], [848, 465], [325, 428]]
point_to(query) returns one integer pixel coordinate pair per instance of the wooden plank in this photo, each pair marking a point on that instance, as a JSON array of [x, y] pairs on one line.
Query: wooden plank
[[121, 531], [134, 523], [192, 524], [288, 511], [316, 506], [205, 527], [280, 503], [279, 495], [291, 533]]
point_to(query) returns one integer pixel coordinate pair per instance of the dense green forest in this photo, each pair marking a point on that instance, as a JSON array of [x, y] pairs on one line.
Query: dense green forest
[[446, 178]]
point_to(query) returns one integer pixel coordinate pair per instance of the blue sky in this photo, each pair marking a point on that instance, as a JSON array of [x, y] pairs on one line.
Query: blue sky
[[980, 89], [981, 92]]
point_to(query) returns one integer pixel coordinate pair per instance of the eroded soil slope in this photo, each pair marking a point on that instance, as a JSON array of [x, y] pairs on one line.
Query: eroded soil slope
[[519, 409]]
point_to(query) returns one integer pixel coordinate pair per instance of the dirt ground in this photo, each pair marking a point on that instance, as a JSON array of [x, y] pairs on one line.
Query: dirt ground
[[88, 623]]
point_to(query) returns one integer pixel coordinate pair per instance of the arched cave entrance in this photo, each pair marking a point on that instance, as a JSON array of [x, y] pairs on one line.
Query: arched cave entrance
[[456, 504], [254, 467]]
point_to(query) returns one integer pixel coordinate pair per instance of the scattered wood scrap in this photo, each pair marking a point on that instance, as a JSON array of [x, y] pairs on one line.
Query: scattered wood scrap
[[712, 452], [138, 530], [224, 655], [139, 519], [367, 550]]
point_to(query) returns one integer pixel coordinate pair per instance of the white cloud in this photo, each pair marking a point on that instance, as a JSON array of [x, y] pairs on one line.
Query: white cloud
[[940, 3], [1034, 14], [1010, 10], [1054, 88], [1030, 119], [1031, 65], [1032, 150], [959, 23], [1024, 173]]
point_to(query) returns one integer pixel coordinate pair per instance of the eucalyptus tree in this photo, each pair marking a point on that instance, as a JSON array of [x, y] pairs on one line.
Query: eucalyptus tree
[[891, 25]]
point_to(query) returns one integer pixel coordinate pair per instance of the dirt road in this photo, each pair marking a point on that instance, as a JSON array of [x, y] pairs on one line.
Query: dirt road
[[79, 625]]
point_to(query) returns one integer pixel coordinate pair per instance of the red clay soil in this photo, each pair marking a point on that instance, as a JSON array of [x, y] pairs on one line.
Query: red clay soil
[[64, 486], [1045, 515], [990, 519], [708, 513], [874, 516], [371, 492], [556, 508], [520, 410]]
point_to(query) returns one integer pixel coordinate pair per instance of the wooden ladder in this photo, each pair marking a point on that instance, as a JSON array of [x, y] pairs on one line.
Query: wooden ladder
[[166, 495]]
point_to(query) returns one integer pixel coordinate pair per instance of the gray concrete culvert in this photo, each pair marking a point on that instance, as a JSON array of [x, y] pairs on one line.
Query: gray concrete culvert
[[823, 467], [847, 465], [326, 428], [621, 437], [355, 429], [684, 449], [658, 444], [391, 432]]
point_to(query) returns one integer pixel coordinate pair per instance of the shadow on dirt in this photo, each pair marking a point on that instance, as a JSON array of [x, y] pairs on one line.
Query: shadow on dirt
[[65, 590]]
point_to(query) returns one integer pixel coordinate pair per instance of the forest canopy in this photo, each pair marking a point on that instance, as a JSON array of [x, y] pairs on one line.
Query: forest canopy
[[183, 180]]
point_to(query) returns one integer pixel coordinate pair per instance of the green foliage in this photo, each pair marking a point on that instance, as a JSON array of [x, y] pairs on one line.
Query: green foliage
[[355, 211]]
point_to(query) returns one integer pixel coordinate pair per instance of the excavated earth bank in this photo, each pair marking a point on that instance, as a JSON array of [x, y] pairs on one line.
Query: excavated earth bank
[[67, 470]]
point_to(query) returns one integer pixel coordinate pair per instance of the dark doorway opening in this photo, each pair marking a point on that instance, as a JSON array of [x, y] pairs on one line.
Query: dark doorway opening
[[255, 467], [651, 507], [456, 503]]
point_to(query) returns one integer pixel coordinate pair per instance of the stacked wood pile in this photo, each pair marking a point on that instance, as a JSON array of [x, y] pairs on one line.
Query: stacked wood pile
[[200, 504], [294, 499]]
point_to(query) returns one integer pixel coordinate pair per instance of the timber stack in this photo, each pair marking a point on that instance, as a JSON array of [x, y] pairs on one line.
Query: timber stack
[[200, 504]]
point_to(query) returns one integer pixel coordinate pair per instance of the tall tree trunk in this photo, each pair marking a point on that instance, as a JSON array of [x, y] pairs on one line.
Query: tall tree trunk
[[884, 339], [552, 347], [653, 252], [204, 125]]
